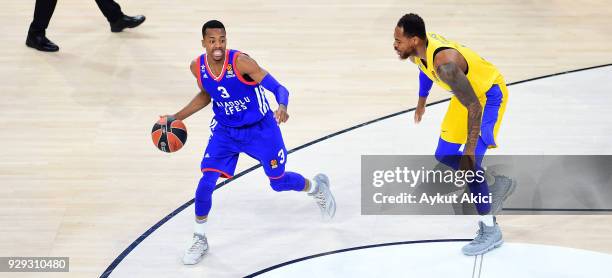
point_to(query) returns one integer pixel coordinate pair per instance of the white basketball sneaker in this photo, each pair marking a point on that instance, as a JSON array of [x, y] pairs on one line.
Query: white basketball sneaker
[[323, 196], [487, 238], [196, 252]]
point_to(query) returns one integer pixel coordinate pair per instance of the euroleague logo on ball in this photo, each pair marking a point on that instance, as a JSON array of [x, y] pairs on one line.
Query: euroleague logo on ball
[[169, 134]]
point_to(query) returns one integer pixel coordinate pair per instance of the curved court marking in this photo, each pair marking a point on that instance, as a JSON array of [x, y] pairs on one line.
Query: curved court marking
[[352, 249], [439, 258], [152, 229]]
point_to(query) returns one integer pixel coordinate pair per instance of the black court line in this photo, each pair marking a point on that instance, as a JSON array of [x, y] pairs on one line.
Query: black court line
[[558, 73], [351, 249], [142, 237]]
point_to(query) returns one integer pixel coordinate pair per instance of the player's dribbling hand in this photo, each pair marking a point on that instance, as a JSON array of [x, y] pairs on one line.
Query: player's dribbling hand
[[281, 115], [418, 114], [169, 116], [166, 116]]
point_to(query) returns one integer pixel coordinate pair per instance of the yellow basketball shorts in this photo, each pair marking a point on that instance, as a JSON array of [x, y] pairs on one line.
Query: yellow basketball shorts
[[454, 125]]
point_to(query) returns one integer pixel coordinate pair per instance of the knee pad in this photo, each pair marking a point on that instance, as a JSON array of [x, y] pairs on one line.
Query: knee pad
[[448, 153], [439, 156], [278, 184], [206, 185], [288, 181], [203, 197]]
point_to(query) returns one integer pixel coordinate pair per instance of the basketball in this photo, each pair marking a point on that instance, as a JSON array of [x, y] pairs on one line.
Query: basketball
[[169, 134]]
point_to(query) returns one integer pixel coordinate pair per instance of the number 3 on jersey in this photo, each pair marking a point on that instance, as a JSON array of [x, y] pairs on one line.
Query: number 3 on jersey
[[281, 155], [224, 93]]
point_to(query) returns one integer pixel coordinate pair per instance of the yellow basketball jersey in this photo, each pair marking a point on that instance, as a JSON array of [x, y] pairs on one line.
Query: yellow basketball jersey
[[481, 74]]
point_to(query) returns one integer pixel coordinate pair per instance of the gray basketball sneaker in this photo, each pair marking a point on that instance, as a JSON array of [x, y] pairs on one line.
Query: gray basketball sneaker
[[487, 238], [196, 252], [323, 196], [500, 190]]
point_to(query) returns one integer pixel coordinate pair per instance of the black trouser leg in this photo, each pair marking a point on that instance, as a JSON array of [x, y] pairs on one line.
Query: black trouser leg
[[110, 9], [43, 10]]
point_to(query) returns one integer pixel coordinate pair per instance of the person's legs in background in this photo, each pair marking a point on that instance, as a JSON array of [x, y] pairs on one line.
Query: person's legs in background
[[118, 21], [43, 10]]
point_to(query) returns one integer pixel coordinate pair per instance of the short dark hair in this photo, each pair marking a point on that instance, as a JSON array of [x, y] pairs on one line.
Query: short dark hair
[[413, 25], [211, 24]]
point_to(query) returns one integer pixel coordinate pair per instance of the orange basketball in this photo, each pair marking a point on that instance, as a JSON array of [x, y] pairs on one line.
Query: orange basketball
[[169, 134]]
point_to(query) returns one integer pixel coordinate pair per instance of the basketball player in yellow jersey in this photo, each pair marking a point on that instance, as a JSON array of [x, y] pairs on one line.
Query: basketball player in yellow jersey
[[473, 117]]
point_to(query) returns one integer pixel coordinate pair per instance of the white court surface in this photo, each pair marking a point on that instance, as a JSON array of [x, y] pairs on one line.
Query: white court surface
[[252, 227], [442, 260]]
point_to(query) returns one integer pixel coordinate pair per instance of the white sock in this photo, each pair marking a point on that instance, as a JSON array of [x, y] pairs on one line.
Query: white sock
[[313, 187], [199, 227], [487, 220]]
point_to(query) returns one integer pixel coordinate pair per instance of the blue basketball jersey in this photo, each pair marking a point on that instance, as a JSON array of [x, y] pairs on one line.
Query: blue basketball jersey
[[236, 101]]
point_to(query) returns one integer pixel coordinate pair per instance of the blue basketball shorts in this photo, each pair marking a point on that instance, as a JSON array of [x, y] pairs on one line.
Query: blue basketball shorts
[[262, 141]]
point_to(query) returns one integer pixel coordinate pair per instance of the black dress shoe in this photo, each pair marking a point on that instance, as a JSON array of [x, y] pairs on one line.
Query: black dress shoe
[[40, 42], [126, 22]]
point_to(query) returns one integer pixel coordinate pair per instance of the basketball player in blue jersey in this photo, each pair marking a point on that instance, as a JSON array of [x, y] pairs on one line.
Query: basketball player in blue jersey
[[473, 117], [233, 83]]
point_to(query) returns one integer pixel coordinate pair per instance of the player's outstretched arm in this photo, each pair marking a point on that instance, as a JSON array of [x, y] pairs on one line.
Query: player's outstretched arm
[[246, 65], [424, 87], [450, 66], [201, 100]]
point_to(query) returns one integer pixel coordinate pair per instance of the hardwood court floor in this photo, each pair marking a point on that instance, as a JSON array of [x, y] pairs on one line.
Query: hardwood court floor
[[79, 176]]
